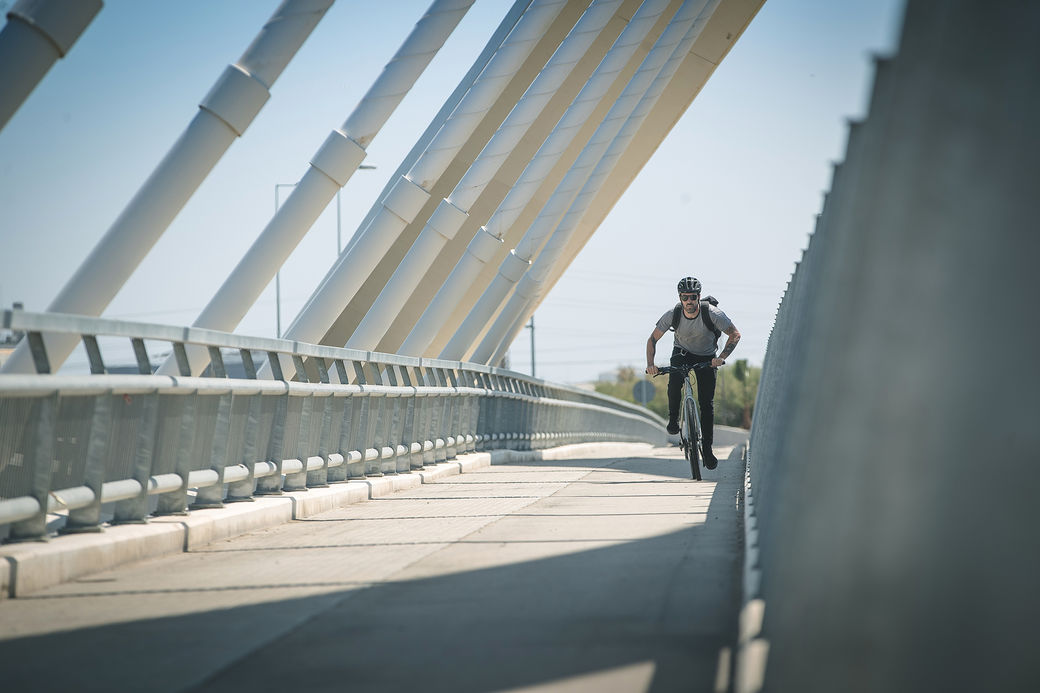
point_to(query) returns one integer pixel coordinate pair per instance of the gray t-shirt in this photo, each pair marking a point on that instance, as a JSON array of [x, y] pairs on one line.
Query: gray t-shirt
[[691, 334]]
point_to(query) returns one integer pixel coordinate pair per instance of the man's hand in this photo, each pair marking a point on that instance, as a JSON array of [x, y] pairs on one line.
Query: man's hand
[[652, 370], [715, 363]]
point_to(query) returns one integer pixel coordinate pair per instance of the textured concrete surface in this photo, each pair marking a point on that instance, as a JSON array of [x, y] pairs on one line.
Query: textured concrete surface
[[28, 567], [585, 573]]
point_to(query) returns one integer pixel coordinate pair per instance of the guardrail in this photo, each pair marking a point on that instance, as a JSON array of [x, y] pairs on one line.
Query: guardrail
[[71, 443]]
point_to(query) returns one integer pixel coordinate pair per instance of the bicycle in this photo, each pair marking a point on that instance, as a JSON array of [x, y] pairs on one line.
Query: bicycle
[[690, 434]]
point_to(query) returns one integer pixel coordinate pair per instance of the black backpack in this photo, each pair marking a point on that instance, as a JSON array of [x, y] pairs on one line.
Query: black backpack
[[705, 318]]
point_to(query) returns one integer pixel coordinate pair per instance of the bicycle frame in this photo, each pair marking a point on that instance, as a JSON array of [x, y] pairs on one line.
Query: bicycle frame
[[690, 427], [690, 434]]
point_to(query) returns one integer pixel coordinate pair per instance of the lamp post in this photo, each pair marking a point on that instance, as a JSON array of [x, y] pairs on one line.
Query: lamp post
[[339, 242], [278, 274], [339, 245], [530, 326]]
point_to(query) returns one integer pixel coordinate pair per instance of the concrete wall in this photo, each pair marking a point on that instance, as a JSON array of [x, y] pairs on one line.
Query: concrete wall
[[894, 446]]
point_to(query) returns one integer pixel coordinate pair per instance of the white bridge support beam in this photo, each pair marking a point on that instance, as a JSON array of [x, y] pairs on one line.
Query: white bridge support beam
[[485, 244], [453, 211], [225, 113], [330, 169], [548, 218], [508, 174], [38, 33], [359, 305], [530, 288], [724, 28], [410, 193]]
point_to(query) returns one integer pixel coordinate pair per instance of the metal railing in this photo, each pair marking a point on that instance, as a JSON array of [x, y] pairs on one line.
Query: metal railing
[[71, 443]]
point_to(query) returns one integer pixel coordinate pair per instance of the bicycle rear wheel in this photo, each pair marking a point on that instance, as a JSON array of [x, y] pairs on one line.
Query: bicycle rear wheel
[[692, 451]]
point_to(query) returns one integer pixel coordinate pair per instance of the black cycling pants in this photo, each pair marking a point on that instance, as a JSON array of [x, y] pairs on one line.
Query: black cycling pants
[[705, 390]]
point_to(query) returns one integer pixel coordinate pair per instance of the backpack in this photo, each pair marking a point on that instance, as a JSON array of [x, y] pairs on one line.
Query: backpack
[[705, 318]]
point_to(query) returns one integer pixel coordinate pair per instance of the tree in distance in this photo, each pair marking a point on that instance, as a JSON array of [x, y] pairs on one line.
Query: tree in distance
[[735, 392]]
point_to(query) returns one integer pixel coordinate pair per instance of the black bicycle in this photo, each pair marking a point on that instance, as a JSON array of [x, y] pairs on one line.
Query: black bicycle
[[690, 434]]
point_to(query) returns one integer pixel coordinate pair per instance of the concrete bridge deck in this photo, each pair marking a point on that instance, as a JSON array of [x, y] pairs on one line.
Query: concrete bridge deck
[[597, 573]]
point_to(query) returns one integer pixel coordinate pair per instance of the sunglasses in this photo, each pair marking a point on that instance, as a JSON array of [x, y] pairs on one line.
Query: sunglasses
[[687, 297]]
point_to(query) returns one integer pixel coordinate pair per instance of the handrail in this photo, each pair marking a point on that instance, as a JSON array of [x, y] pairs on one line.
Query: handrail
[[151, 443]]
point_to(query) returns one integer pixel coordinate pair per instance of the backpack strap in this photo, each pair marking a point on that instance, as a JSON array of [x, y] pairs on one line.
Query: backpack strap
[[706, 319]]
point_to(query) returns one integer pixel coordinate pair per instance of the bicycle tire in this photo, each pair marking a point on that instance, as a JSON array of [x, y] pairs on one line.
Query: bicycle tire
[[692, 453], [684, 435]]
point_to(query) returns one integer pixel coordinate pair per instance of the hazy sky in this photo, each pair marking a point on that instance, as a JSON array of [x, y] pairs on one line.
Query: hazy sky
[[730, 197]]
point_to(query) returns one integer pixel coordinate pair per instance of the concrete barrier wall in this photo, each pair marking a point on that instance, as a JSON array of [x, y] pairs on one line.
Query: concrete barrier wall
[[893, 453]]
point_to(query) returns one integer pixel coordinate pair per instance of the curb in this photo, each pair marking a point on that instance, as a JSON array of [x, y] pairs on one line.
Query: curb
[[32, 566], [752, 649]]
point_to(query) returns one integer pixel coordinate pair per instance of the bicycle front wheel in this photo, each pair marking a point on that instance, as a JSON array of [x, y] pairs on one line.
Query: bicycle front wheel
[[692, 448]]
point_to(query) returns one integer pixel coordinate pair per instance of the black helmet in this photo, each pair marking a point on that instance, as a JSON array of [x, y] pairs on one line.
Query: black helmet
[[689, 285]]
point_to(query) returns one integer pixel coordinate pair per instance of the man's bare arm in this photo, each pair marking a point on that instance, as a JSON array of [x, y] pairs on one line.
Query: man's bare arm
[[651, 350], [731, 344]]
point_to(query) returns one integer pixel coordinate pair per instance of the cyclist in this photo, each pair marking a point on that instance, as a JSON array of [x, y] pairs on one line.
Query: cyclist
[[694, 342]]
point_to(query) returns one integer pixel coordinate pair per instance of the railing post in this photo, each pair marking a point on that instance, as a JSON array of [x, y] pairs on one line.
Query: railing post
[[399, 430], [176, 502], [217, 456], [327, 442], [370, 446], [429, 435], [242, 491], [134, 510], [441, 430], [389, 426], [272, 485], [349, 433], [38, 449], [386, 447], [298, 424], [455, 415], [88, 519]]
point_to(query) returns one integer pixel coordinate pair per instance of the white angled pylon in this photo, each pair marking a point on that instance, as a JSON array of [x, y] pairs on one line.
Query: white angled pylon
[[518, 261], [454, 209], [529, 289], [37, 34], [330, 169], [410, 192], [225, 113], [489, 237]]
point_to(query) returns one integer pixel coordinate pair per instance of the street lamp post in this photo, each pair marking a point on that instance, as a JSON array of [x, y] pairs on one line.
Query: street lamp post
[[278, 274], [339, 245], [339, 239], [530, 326]]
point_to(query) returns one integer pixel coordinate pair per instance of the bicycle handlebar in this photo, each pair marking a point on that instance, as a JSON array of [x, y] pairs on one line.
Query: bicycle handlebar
[[663, 370]]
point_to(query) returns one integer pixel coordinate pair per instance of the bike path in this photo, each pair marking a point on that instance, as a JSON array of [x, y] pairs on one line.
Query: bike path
[[579, 574]]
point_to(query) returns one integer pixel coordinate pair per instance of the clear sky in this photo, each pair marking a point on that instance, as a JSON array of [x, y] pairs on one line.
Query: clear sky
[[730, 197]]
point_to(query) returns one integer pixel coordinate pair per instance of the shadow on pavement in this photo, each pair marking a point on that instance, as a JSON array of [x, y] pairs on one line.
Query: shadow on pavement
[[663, 606]]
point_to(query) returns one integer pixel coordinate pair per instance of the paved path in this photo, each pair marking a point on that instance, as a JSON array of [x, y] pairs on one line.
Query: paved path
[[581, 574]]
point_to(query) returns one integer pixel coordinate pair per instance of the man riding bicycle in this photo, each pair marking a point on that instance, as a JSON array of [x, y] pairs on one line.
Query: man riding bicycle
[[695, 341]]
